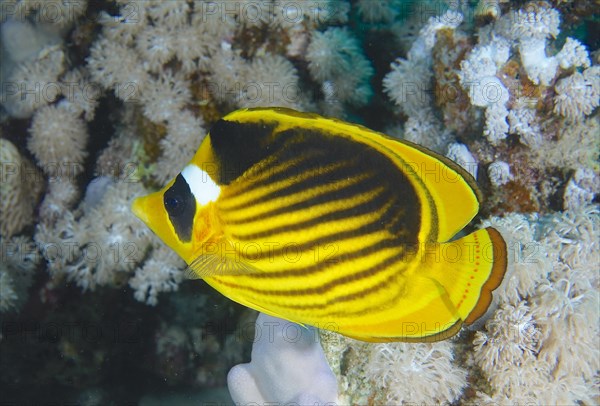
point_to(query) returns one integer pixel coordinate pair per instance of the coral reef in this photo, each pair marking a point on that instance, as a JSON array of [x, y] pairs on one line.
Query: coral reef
[[541, 344], [19, 260], [105, 101], [335, 60], [22, 185], [409, 84], [91, 254], [58, 141], [525, 30], [579, 94], [394, 373]]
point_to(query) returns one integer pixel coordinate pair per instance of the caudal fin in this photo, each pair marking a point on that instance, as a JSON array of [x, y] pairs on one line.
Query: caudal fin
[[496, 269], [474, 266], [452, 287]]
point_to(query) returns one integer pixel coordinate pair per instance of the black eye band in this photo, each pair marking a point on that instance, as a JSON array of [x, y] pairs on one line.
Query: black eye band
[[181, 207]]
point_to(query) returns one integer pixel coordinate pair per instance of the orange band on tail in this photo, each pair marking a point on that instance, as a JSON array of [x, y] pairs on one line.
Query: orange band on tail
[[496, 276]]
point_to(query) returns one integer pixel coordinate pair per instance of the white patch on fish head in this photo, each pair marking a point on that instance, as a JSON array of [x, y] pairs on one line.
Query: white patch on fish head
[[201, 185]]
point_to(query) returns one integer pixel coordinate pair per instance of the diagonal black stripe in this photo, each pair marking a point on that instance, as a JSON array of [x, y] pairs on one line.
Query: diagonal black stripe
[[382, 266], [368, 206], [324, 176], [284, 167], [323, 266], [369, 228], [390, 279], [275, 165], [402, 219], [370, 306], [344, 193]]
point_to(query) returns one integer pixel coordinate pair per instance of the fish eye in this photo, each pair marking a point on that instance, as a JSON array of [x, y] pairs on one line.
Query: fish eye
[[180, 205], [175, 205]]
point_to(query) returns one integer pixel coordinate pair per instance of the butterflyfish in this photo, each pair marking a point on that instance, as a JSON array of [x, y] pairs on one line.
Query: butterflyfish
[[330, 224]]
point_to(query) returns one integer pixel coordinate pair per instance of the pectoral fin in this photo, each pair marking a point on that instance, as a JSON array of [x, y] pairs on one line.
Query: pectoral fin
[[218, 261]]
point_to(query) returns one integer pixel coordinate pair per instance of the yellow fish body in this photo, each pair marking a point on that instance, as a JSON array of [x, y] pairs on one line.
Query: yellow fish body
[[328, 223]]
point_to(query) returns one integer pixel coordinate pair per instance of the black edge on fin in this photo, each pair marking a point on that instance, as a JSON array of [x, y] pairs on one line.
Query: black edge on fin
[[452, 165], [442, 335]]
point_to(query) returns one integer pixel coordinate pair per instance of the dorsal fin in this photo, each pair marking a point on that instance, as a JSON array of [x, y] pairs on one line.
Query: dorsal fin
[[453, 190], [449, 190]]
